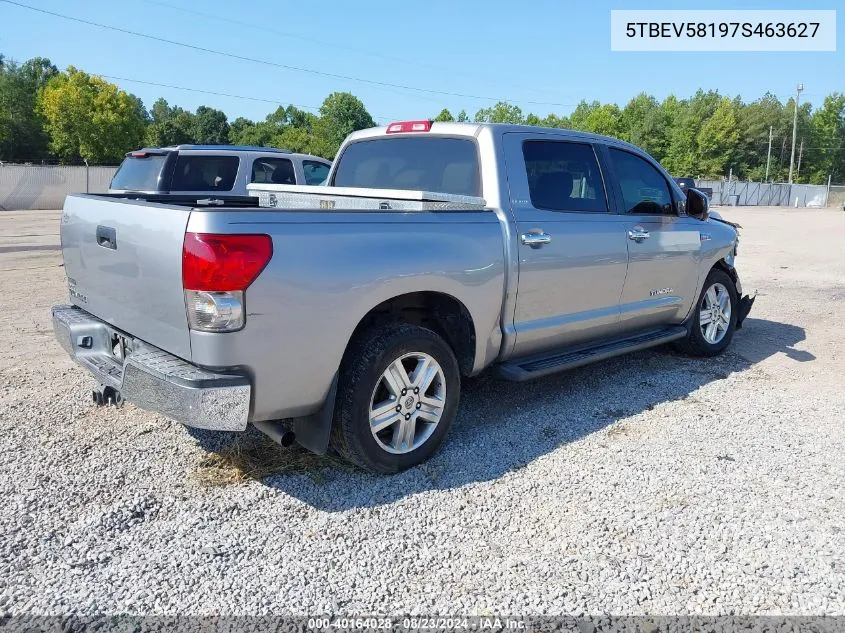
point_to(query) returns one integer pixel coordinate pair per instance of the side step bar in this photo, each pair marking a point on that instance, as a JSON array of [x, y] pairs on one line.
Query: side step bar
[[532, 367]]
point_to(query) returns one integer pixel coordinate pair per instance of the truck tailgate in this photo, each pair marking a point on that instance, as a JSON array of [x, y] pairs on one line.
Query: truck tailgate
[[123, 260]]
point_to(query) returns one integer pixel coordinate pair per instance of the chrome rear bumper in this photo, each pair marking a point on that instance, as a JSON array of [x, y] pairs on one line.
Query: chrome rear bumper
[[151, 378]]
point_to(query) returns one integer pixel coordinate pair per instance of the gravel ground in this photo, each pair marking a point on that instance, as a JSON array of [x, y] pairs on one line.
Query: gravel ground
[[650, 484]]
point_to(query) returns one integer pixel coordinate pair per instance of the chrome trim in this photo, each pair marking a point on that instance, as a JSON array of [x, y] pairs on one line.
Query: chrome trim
[[638, 234], [535, 240]]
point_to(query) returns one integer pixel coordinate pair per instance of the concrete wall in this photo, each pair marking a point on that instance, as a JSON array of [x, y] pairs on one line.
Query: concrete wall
[[45, 186]]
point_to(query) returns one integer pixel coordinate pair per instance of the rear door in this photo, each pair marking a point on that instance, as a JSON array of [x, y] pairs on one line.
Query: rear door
[[123, 260], [663, 247], [572, 251]]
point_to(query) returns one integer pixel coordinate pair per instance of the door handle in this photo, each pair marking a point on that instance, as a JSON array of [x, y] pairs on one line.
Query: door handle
[[536, 240], [107, 237], [638, 235]]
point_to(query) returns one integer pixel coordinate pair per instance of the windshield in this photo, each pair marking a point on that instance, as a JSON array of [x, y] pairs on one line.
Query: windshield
[[138, 173], [424, 163]]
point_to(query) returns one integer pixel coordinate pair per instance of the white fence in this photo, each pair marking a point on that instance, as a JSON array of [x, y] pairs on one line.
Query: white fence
[[45, 186], [777, 194]]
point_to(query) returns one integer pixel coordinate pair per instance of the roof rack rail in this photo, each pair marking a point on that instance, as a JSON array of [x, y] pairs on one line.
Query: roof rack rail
[[237, 148]]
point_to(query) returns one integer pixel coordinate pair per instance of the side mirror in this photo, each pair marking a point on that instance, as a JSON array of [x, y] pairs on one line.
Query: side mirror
[[698, 206]]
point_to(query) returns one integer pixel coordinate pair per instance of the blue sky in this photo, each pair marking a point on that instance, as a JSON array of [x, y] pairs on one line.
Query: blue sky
[[553, 53]]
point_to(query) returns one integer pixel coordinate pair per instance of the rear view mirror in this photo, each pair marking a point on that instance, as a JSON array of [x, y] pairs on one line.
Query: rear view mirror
[[698, 206]]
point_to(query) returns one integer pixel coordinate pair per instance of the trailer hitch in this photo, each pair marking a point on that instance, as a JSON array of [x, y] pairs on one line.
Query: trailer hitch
[[105, 396]]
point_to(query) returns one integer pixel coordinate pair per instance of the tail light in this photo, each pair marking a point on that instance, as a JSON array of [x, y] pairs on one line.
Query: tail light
[[409, 126], [216, 269]]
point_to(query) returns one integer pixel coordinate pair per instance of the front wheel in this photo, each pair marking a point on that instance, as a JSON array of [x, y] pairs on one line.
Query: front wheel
[[397, 396], [714, 319]]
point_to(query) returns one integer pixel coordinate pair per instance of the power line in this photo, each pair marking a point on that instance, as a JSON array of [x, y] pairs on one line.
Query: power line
[[313, 40], [225, 94], [382, 84]]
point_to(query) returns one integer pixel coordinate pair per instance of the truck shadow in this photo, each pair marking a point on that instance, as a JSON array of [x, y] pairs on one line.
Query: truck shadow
[[502, 426]]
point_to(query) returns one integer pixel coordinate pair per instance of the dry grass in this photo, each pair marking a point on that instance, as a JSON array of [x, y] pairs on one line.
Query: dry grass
[[254, 457]]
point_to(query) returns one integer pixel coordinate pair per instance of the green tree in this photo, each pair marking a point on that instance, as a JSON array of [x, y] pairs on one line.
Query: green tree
[[169, 125], [88, 117], [645, 124], [210, 126], [341, 114], [444, 115], [686, 118], [717, 139], [606, 119], [502, 112], [463, 117], [829, 140], [22, 135], [755, 119], [554, 120], [578, 118]]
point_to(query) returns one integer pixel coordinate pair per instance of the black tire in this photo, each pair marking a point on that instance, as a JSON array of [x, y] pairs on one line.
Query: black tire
[[360, 373], [695, 343]]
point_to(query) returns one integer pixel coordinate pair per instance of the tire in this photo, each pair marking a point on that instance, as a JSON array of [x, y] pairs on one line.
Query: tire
[[697, 342], [365, 389]]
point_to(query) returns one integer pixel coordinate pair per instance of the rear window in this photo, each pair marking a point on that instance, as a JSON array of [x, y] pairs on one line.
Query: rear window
[[204, 173], [139, 174], [430, 163]]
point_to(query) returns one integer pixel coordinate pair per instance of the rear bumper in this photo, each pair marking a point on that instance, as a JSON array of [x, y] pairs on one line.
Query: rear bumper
[[152, 378]]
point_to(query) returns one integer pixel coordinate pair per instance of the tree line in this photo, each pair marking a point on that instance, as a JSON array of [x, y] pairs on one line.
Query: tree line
[[69, 116]]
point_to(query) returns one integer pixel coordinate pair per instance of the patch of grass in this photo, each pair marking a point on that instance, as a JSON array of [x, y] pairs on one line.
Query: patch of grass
[[254, 457]]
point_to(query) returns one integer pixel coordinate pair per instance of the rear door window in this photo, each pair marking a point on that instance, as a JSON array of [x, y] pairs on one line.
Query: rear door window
[[564, 176], [205, 173], [278, 171], [139, 173], [425, 163], [315, 172]]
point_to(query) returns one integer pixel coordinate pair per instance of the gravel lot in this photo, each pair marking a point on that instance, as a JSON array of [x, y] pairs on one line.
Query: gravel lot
[[651, 484]]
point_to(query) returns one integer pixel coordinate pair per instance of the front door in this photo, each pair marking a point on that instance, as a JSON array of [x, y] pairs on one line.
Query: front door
[[663, 247], [572, 250]]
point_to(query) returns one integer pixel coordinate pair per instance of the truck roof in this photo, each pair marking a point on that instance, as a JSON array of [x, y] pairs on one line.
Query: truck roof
[[473, 129]]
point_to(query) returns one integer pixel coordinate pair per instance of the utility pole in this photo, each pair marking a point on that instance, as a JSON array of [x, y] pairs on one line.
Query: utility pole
[[798, 90], [769, 154], [800, 154]]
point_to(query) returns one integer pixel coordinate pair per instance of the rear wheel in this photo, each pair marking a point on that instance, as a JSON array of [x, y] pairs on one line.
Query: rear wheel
[[714, 319], [397, 396]]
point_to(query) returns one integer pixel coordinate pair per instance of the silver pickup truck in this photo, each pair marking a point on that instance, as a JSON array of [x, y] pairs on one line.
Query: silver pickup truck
[[346, 315]]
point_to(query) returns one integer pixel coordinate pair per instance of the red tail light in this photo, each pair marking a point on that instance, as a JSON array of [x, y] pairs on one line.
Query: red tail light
[[223, 262], [409, 126]]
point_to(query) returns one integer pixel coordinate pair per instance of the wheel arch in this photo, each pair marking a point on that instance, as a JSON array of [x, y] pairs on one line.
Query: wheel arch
[[438, 311]]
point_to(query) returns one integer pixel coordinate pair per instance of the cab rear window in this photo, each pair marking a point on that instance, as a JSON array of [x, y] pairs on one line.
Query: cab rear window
[[424, 163], [138, 173]]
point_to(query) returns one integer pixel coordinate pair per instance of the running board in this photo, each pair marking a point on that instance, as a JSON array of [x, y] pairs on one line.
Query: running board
[[532, 367]]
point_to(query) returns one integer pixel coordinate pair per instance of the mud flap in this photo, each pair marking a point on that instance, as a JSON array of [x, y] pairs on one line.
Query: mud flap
[[313, 431], [744, 308]]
